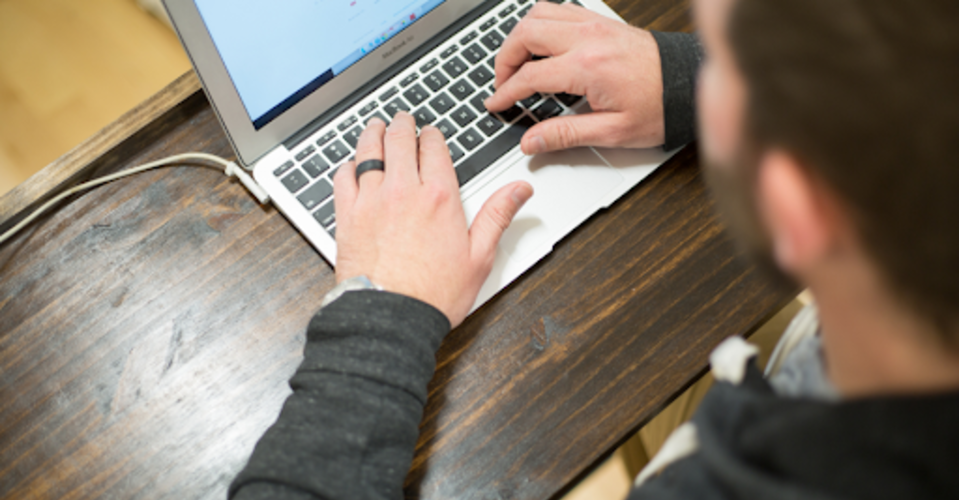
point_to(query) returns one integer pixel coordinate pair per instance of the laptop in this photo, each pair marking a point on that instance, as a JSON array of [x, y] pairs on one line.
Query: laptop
[[293, 83]]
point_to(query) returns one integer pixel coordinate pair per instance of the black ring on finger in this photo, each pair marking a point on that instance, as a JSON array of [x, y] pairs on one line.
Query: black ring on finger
[[368, 165]]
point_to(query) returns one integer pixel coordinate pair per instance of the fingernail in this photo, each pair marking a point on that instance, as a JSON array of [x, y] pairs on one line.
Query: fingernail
[[521, 194], [535, 145]]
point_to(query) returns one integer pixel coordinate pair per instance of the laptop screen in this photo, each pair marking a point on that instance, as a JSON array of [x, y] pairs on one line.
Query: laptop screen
[[278, 53]]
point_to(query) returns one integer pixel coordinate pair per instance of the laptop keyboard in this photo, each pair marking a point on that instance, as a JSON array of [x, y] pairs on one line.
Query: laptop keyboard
[[445, 89]]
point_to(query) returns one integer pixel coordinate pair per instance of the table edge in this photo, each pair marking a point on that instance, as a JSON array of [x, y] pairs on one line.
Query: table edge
[[67, 169]]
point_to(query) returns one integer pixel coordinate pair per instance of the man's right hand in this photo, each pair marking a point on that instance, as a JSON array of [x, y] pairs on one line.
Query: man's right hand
[[614, 65]]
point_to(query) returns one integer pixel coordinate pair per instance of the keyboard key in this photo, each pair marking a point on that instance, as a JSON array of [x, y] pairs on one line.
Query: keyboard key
[[409, 79], [468, 38], [295, 181], [470, 139], [446, 127], [327, 137], [455, 152], [416, 94], [510, 113], [284, 168], [548, 109], [395, 106], [448, 52], [477, 101], [424, 117], [507, 11], [524, 10], [489, 125], [492, 41], [521, 2], [365, 110], [531, 100], [389, 93], [492, 62], [353, 136], [315, 166], [302, 155], [336, 152], [455, 67], [311, 198], [461, 90], [488, 24], [481, 75], [346, 123], [463, 116], [568, 99], [508, 25], [442, 103], [429, 65], [377, 115], [436, 80], [492, 151], [332, 232], [474, 53], [326, 215]]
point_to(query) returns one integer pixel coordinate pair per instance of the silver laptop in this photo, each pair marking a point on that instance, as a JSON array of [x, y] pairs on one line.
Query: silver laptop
[[294, 83]]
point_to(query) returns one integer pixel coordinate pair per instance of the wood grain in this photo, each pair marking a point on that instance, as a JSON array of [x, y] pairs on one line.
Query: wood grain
[[148, 328], [92, 155]]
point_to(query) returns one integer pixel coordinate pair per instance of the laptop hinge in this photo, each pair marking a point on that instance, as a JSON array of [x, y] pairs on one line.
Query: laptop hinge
[[361, 93]]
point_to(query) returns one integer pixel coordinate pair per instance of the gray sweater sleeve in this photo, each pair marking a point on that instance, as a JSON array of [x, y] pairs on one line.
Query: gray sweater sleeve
[[680, 55], [350, 427]]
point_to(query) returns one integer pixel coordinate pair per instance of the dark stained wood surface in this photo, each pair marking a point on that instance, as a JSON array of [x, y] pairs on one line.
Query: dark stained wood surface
[[147, 328]]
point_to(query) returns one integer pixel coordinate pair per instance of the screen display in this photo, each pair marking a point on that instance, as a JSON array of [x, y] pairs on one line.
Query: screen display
[[277, 53]]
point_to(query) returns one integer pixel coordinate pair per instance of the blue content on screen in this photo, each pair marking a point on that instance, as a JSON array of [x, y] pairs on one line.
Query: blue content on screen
[[278, 53]]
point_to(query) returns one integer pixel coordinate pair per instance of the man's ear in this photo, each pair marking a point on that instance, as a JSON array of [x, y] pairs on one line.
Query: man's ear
[[791, 203]]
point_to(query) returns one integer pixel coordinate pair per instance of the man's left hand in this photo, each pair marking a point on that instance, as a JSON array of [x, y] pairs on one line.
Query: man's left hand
[[404, 227]]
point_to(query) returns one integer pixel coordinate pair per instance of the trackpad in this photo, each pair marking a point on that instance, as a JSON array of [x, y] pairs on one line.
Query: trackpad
[[568, 186]]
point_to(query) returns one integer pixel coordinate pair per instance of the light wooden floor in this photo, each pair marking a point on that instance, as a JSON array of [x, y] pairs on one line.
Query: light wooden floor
[[70, 67]]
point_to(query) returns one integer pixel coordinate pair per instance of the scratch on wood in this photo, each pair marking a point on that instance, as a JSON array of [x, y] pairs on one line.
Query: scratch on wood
[[539, 335], [119, 297], [172, 350]]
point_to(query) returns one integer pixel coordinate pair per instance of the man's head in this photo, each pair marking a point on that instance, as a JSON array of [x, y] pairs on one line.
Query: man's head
[[831, 134]]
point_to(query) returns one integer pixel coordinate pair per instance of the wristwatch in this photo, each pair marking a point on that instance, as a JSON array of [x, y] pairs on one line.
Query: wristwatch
[[348, 285]]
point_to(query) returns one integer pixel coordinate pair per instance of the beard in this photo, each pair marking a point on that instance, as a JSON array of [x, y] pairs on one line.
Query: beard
[[733, 186]]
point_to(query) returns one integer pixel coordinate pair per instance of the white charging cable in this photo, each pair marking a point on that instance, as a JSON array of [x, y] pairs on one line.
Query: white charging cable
[[230, 168]]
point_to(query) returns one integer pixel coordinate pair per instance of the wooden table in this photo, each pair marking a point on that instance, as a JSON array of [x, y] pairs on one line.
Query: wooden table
[[148, 328]]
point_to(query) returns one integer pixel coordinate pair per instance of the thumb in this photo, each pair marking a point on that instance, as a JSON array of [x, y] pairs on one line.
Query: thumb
[[494, 218], [564, 132]]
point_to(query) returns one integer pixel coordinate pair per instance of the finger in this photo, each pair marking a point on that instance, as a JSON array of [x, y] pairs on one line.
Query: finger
[[561, 12], [543, 37], [494, 218], [345, 190], [435, 162], [370, 147], [552, 75], [401, 149], [604, 129]]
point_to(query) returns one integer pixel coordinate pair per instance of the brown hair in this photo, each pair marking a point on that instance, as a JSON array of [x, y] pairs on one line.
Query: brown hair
[[866, 94]]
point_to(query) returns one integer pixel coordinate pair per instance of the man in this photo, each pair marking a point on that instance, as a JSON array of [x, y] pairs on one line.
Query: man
[[829, 132]]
